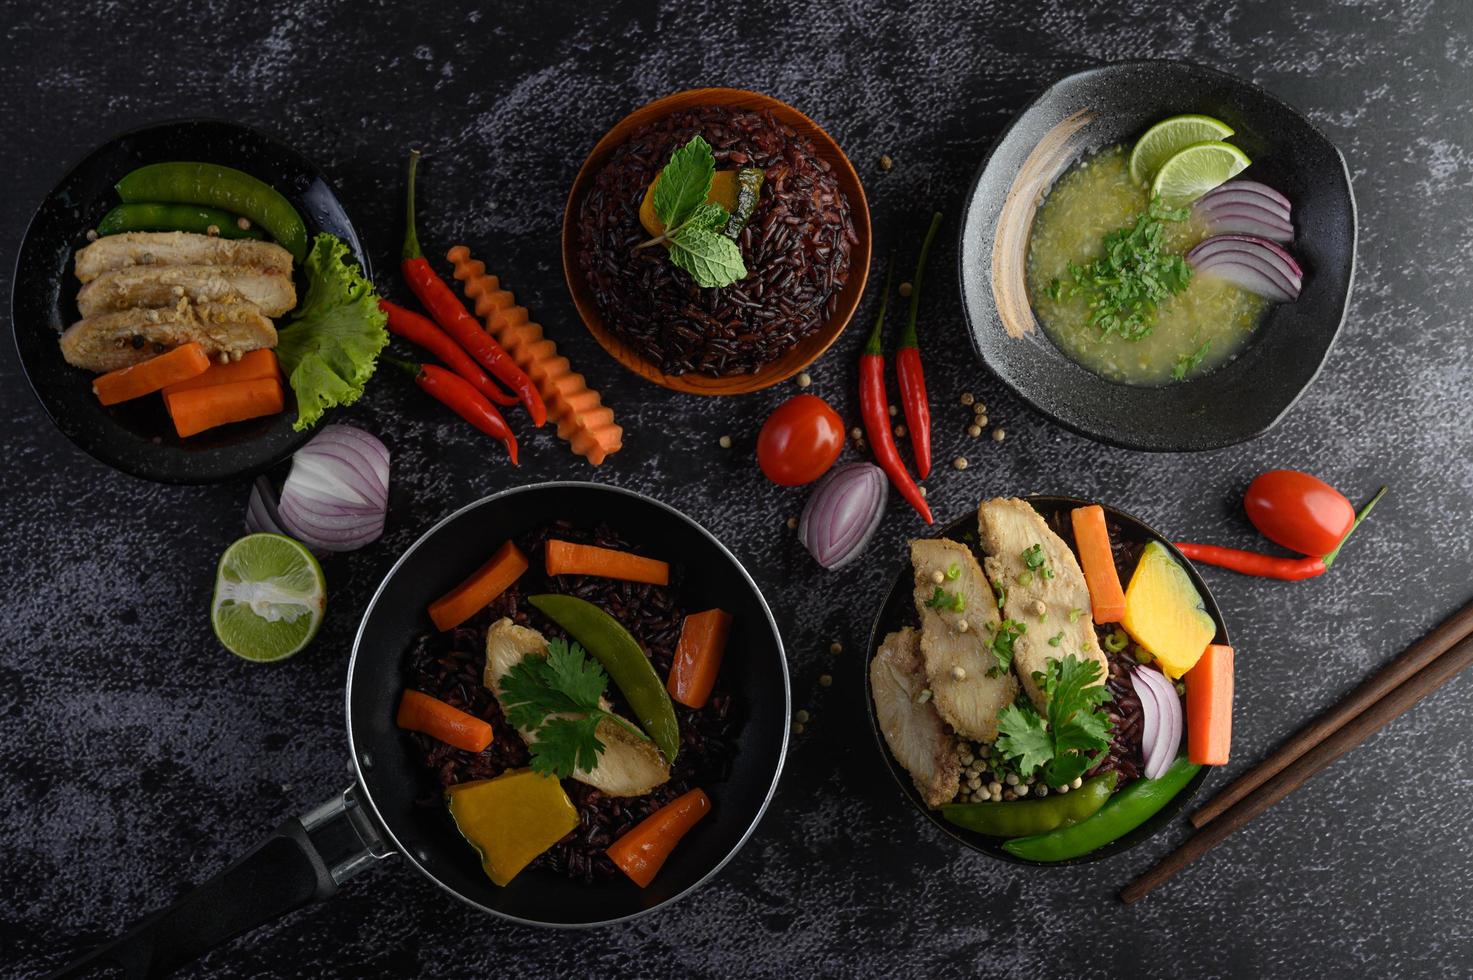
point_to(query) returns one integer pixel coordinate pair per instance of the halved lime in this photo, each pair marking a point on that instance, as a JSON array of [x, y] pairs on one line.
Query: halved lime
[[269, 597], [1162, 141], [1194, 171]]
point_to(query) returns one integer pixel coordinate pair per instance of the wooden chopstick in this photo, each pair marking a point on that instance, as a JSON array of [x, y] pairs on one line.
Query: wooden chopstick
[[1373, 689], [1314, 759]]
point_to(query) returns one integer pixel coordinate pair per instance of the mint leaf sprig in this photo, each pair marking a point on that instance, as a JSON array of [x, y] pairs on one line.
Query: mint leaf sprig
[[1073, 733], [692, 224], [556, 700]]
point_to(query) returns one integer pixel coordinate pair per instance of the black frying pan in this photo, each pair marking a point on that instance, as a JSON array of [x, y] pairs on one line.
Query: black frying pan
[[306, 858]]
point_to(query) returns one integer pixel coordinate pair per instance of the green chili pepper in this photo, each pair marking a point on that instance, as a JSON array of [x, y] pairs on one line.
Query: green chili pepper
[[175, 217], [212, 185], [1124, 812], [1022, 818], [612, 645]]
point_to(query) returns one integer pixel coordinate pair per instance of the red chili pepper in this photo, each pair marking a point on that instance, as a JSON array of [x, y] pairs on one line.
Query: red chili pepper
[[421, 330], [452, 316], [874, 406], [1272, 566], [908, 373], [461, 397]]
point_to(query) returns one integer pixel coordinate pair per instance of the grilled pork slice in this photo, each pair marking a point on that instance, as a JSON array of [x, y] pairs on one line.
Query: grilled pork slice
[[917, 737], [148, 248], [164, 285], [956, 638], [109, 341], [629, 765], [1051, 599]]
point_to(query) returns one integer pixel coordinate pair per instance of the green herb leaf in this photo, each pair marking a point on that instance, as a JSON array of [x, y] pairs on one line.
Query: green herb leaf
[[1187, 363], [684, 183], [1074, 732], [564, 745], [941, 599], [713, 260], [1004, 635], [1033, 557]]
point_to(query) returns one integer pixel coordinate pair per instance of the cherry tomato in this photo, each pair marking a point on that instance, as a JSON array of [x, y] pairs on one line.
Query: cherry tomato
[[1299, 511], [800, 441]]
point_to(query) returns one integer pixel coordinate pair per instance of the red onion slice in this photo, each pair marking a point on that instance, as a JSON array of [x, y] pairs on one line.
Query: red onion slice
[[336, 496], [1245, 219], [1162, 749], [1247, 192], [1278, 277], [261, 515]]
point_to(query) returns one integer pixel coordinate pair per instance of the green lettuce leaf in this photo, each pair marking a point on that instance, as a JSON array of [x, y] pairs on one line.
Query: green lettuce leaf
[[331, 346]]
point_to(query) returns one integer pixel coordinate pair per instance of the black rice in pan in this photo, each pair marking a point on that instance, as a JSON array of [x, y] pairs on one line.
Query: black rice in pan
[[449, 666], [796, 247]]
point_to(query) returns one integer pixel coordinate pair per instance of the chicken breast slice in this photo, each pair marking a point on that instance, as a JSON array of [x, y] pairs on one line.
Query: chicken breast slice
[[273, 293], [109, 341], [1052, 600], [956, 643], [628, 766], [918, 738], [153, 248]]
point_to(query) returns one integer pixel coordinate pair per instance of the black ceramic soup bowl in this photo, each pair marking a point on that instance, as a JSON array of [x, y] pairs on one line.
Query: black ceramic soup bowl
[[1114, 104]]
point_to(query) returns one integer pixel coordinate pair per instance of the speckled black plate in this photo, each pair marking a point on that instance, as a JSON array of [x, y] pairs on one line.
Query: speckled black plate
[[137, 437], [899, 610], [1094, 109]]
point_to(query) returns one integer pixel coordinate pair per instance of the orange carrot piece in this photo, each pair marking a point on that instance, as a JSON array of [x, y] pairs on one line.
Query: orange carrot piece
[[582, 420], [476, 592], [698, 656], [566, 558], [180, 364], [642, 851], [1210, 707], [1092, 539], [419, 712], [204, 408], [254, 366]]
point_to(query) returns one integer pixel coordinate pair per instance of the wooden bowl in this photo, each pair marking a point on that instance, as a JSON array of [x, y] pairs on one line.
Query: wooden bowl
[[805, 352]]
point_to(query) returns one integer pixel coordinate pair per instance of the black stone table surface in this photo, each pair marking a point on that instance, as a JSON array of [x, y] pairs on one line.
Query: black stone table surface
[[136, 755]]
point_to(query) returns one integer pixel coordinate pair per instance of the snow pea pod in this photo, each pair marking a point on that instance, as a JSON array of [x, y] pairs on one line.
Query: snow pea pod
[[213, 185], [621, 655], [1023, 818], [1121, 814], [175, 217]]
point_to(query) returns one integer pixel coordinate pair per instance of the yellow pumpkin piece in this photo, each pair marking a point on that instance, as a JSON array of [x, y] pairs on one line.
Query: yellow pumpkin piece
[[727, 187], [511, 819], [1164, 612]]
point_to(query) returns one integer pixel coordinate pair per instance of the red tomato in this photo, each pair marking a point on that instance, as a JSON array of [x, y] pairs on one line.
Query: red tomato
[[800, 441], [1299, 511]]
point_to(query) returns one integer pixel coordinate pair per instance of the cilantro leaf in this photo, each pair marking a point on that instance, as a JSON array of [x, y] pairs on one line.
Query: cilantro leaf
[[713, 260], [331, 346], [1073, 733], [555, 701], [684, 183], [1004, 635]]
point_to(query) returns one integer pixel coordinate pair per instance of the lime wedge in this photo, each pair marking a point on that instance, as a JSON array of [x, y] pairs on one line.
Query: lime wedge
[[1194, 171], [1162, 141], [269, 597]]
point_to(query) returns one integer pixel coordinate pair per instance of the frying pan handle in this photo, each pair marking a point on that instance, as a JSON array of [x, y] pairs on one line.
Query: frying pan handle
[[285, 872]]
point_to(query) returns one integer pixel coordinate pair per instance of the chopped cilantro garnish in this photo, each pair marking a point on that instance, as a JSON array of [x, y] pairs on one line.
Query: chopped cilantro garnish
[[1072, 734]]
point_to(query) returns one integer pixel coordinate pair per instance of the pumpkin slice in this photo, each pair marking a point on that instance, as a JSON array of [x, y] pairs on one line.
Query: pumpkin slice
[[511, 819], [735, 190]]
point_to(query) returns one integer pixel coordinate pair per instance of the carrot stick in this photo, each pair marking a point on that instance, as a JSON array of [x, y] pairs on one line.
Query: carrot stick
[[476, 592], [1092, 539], [1210, 707], [256, 365], [698, 656], [583, 421], [204, 408], [419, 712], [566, 558], [642, 851], [127, 383]]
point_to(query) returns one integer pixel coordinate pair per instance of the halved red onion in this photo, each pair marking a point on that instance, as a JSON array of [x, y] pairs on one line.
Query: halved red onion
[[1162, 719], [261, 513], [1247, 219], [337, 494], [842, 514], [1256, 264], [1247, 192]]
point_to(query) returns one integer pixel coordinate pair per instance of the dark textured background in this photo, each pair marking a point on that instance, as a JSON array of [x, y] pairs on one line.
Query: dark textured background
[[136, 755]]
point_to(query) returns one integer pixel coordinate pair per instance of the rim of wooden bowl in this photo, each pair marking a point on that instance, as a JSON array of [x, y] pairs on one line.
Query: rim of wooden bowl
[[805, 352]]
